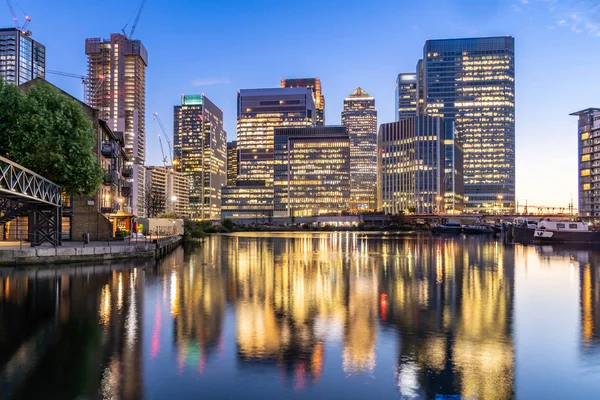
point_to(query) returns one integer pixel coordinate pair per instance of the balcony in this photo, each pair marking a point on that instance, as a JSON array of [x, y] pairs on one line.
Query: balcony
[[127, 172], [108, 149], [110, 177], [126, 189]]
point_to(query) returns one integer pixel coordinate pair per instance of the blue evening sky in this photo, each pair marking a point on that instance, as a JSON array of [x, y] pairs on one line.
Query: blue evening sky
[[219, 47]]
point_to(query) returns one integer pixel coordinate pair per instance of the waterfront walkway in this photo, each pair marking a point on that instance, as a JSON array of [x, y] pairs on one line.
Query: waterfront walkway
[[20, 253]]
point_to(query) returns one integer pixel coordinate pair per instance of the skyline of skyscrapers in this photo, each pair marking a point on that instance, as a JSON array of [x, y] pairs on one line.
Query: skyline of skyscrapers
[[118, 67], [200, 147], [21, 58], [360, 118]]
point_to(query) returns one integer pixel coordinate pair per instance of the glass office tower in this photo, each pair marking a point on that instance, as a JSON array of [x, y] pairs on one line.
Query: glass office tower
[[313, 84], [21, 58], [200, 147], [471, 82], [260, 111], [406, 96], [360, 118], [411, 166], [312, 171]]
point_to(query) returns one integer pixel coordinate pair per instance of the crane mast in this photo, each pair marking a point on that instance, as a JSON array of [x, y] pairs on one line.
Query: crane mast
[[164, 131]]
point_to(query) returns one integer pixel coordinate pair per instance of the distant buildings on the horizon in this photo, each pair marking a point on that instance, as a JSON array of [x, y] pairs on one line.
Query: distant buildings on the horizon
[[450, 149]]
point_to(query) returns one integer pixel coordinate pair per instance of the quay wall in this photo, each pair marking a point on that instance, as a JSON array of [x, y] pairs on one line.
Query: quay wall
[[39, 255]]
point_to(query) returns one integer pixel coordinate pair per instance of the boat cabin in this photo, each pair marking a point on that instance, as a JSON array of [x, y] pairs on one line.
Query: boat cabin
[[522, 222], [572, 226]]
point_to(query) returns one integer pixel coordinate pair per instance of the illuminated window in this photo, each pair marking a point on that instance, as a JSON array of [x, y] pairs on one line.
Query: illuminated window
[[585, 172]]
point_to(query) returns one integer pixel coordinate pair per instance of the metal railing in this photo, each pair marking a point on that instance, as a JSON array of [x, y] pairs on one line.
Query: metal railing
[[18, 181]]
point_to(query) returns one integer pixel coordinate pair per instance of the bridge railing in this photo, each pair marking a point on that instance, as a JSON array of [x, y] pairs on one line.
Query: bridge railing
[[18, 181]]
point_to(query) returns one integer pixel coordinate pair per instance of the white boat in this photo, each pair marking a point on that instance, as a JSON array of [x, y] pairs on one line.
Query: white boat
[[565, 232]]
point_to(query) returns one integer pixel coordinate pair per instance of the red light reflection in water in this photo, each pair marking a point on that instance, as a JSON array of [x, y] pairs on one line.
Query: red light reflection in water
[[383, 306]]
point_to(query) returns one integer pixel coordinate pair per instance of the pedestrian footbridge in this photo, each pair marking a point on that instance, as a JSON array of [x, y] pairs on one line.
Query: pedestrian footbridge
[[25, 193]]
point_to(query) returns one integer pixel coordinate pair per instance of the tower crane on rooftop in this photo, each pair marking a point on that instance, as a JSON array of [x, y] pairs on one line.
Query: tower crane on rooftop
[[135, 22], [87, 95], [164, 131], [22, 28]]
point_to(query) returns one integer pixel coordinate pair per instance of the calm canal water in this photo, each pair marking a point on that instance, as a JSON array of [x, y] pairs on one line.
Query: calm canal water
[[294, 316]]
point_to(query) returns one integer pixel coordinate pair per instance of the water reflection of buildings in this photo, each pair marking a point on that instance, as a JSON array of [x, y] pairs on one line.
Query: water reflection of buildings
[[72, 334], [451, 303], [590, 305], [293, 294], [198, 303]]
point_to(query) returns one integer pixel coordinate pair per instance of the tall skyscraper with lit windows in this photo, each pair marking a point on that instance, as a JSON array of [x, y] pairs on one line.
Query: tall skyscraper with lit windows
[[22, 59], [360, 118], [260, 111], [411, 166], [313, 84], [200, 147], [406, 95], [471, 83], [117, 88], [312, 171]]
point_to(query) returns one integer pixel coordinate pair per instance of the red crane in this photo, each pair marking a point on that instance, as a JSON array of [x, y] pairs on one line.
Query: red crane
[[22, 28]]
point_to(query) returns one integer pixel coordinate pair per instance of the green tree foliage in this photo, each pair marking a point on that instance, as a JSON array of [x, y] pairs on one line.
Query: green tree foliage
[[228, 224], [50, 134]]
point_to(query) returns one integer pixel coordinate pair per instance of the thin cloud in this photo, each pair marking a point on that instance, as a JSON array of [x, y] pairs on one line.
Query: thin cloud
[[579, 16], [210, 81]]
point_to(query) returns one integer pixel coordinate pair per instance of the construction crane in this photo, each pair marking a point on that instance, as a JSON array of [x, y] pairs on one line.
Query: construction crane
[[87, 96], [165, 162], [164, 131], [135, 22], [22, 28]]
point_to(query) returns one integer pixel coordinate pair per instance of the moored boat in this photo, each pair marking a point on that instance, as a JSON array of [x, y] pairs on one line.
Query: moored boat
[[478, 229], [565, 232], [523, 230], [448, 227]]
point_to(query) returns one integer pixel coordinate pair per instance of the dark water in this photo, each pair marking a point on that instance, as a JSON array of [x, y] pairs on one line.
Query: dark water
[[309, 316]]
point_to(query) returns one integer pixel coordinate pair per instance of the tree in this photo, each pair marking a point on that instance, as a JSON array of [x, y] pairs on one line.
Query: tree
[[48, 133], [228, 224], [155, 203]]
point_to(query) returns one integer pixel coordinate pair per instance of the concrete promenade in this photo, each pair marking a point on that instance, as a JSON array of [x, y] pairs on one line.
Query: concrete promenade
[[15, 253]]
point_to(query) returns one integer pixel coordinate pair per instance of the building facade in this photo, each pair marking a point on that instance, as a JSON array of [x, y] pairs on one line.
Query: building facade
[[233, 159], [118, 67], [360, 118], [94, 214], [260, 111], [21, 58], [312, 171], [248, 201], [406, 95], [411, 166], [588, 132], [471, 82], [167, 191], [200, 146], [313, 84]]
